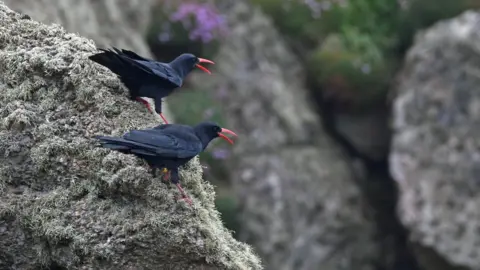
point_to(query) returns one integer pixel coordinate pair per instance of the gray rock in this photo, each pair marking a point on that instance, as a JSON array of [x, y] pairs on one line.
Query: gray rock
[[66, 203], [301, 208], [109, 22], [435, 156], [119, 23]]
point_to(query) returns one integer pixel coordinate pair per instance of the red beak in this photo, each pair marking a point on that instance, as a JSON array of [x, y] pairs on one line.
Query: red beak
[[202, 60], [223, 136]]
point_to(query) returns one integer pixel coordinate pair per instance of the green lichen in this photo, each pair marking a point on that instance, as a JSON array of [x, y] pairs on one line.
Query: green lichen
[[360, 80], [373, 33], [72, 204]]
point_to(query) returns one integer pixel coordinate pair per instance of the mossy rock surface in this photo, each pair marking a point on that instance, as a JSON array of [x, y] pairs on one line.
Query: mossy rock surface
[[65, 202], [346, 76]]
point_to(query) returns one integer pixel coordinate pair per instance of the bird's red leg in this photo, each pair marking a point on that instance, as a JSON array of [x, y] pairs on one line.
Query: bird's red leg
[[166, 176], [182, 192], [150, 108], [145, 103], [163, 118], [184, 195]]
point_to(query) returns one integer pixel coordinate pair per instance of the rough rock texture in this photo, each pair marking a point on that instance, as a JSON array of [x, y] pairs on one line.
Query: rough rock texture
[[436, 146], [119, 23], [108, 22], [301, 208], [66, 203]]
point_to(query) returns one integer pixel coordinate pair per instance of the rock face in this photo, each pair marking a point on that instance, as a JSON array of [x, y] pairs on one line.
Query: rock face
[[301, 208], [67, 204], [110, 22], [119, 23], [435, 155]]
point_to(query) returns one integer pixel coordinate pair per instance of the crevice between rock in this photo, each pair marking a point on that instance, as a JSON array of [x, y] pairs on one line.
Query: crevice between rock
[[377, 185]]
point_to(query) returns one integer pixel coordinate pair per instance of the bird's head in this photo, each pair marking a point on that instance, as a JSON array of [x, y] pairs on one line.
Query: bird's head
[[186, 62], [207, 131]]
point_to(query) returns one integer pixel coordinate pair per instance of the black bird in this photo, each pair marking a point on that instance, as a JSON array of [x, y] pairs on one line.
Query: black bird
[[167, 146], [146, 78]]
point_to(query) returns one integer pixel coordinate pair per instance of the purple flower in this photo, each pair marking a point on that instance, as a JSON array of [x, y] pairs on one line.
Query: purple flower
[[317, 6], [165, 33], [164, 36], [207, 23], [220, 153]]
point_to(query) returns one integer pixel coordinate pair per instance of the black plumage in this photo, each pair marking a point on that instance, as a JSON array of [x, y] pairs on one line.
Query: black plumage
[[146, 78], [167, 146]]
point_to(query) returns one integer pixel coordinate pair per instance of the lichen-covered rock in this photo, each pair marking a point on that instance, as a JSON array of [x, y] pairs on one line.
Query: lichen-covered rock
[[119, 23], [65, 203], [435, 156], [300, 206]]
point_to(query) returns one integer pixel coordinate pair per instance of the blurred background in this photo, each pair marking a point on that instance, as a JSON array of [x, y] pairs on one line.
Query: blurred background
[[308, 85]]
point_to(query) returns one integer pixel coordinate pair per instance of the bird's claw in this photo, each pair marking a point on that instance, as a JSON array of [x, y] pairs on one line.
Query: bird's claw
[[163, 118], [166, 175], [186, 198], [184, 195]]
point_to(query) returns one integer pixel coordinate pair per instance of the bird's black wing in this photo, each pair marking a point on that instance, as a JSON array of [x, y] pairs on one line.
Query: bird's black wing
[[184, 132], [168, 142], [132, 55], [125, 146], [160, 69], [164, 71], [132, 74]]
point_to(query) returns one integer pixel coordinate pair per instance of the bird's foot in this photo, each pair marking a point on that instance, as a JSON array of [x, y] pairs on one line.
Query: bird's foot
[[184, 195], [166, 175], [163, 118], [145, 103], [186, 198]]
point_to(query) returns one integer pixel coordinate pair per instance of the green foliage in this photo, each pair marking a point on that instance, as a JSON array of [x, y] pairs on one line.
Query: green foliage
[[361, 33], [356, 77], [199, 101], [227, 206], [292, 17]]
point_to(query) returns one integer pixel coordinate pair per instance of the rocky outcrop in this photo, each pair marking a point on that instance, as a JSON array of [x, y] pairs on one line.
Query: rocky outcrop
[[66, 204], [301, 208], [435, 156], [119, 23]]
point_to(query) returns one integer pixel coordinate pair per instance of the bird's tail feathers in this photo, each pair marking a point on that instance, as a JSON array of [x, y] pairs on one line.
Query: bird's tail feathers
[[131, 55], [128, 70], [119, 63], [111, 61], [122, 145], [104, 140]]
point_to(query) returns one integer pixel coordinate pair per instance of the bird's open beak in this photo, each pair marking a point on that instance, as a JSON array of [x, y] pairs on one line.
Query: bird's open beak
[[203, 60], [223, 136]]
